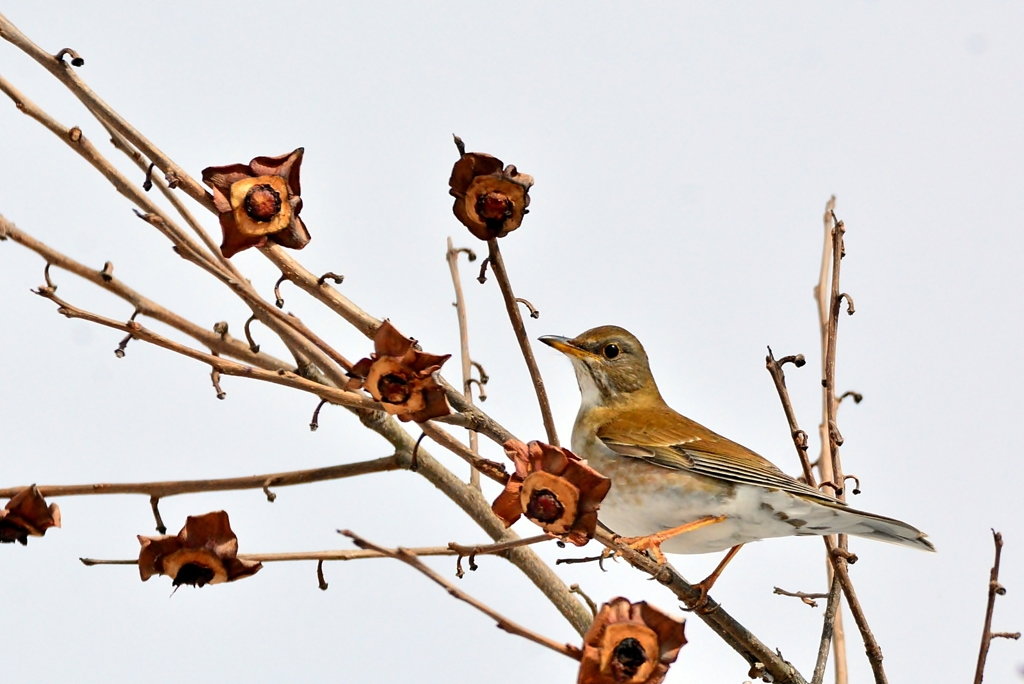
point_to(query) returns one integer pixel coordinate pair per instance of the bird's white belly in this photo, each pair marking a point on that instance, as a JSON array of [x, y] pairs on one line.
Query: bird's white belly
[[646, 499]]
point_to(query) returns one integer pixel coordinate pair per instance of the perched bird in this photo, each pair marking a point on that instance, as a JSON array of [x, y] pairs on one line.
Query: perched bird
[[679, 485]]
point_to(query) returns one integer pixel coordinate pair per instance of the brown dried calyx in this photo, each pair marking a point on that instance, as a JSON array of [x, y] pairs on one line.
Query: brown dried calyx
[[204, 552], [630, 643], [401, 378], [490, 199], [554, 488], [27, 515], [259, 201]]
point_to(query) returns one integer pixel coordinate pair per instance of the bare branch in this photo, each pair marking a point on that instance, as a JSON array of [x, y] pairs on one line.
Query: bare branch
[[994, 589], [452, 257], [799, 436], [524, 342], [471, 552], [452, 549], [827, 631], [160, 490], [806, 598], [102, 111], [504, 623], [220, 343], [280, 377]]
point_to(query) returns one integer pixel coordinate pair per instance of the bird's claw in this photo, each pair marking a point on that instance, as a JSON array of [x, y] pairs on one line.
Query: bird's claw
[[651, 544], [700, 606]]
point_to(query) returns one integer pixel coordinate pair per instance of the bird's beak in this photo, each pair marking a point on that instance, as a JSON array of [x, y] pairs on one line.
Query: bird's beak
[[564, 345]]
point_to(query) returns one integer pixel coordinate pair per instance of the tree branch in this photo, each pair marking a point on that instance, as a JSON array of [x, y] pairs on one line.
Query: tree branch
[[511, 305], [994, 589], [66, 75], [406, 556], [161, 490], [452, 257]]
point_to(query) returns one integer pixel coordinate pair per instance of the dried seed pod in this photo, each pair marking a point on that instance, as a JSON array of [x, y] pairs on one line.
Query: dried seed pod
[[258, 202], [401, 377], [27, 515], [204, 552], [554, 488], [630, 643], [490, 199]]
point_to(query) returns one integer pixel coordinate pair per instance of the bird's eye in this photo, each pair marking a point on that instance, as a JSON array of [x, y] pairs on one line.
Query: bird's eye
[[611, 351]]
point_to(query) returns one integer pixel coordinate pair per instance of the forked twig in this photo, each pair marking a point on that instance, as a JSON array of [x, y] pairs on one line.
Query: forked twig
[[994, 589]]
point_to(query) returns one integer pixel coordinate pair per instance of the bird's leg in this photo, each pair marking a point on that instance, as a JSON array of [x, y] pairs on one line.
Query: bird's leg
[[705, 584], [653, 542]]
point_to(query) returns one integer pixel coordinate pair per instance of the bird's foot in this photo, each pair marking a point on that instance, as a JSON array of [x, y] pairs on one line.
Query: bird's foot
[[650, 543], [700, 606], [704, 586]]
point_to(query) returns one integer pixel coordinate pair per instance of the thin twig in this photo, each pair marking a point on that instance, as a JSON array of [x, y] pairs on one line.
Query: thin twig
[[160, 490], [253, 347], [226, 367], [221, 343], [799, 436], [533, 310], [512, 307], [278, 299], [491, 469], [994, 589], [806, 598], [827, 630], [154, 503], [821, 296], [102, 110], [321, 581], [575, 588], [76, 59], [452, 257], [471, 552], [215, 379], [348, 554], [330, 275], [314, 424], [406, 556]]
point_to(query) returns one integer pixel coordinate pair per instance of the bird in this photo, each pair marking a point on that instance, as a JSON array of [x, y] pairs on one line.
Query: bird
[[677, 486]]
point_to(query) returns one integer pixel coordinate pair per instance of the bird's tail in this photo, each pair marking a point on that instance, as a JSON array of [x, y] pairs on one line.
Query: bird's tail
[[871, 526]]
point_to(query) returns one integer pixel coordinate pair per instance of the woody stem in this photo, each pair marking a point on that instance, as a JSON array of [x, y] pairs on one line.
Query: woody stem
[[498, 266]]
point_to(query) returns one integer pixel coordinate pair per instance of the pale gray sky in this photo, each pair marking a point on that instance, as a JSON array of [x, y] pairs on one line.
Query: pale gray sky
[[683, 154]]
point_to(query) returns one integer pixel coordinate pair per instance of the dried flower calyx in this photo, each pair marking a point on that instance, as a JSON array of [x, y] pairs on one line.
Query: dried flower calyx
[[259, 201], [204, 552], [490, 198], [554, 488], [630, 643], [401, 378], [25, 515]]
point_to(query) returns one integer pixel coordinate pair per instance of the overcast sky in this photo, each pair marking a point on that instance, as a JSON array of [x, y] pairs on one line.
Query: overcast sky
[[683, 155]]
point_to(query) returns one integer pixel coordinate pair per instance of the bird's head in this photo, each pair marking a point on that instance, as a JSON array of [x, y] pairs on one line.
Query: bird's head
[[610, 363]]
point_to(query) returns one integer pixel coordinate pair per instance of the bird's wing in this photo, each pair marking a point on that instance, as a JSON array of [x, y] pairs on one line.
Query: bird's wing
[[670, 440]]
